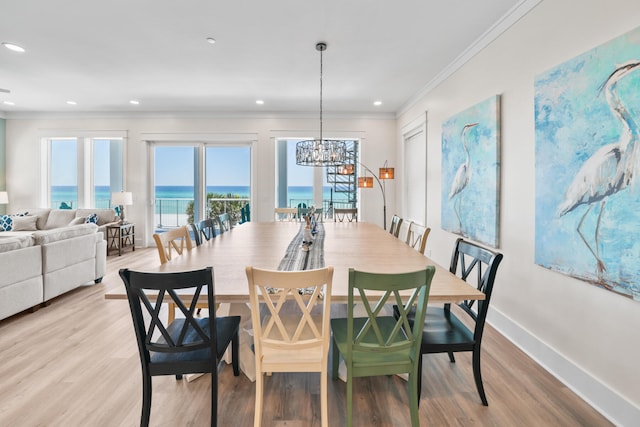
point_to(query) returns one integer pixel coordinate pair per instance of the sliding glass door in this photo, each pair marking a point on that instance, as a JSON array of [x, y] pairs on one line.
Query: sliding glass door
[[195, 181]]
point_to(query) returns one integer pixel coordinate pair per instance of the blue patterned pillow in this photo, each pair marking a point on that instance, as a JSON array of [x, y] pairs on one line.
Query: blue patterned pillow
[[6, 223], [92, 219]]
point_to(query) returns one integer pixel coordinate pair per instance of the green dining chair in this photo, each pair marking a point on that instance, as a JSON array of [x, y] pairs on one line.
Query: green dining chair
[[379, 344]]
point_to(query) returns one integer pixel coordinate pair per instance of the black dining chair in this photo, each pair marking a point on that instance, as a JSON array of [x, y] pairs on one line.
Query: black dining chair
[[443, 332], [396, 222], [205, 230], [186, 345], [224, 222]]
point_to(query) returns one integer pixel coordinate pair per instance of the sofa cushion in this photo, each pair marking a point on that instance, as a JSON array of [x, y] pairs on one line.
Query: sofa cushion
[[59, 218], [6, 222], [105, 215], [25, 223], [14, 243], [78, 220], [41, 213], [47, 236]]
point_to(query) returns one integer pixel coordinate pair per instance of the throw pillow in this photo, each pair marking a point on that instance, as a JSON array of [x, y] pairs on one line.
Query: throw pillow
[[24, 223], [78, 220], [93, 218], [6, 223]]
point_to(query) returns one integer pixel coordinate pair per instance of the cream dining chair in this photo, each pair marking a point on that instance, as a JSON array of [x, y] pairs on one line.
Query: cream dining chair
[[417, 236], [178, 240], [286, 214], [289, 338]]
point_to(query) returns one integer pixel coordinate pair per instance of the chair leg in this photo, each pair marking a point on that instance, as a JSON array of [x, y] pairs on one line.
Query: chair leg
[[324, 407], [235, 353], [257, 416], [414, 399], [171, 315], [419, 380], [335, 360], [214, 397], [452, 358], [146, 400], [478, 376], [349, 398], [178, 377]]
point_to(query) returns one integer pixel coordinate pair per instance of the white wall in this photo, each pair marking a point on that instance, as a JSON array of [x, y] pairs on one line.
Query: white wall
[[23, 149], [587, 336]]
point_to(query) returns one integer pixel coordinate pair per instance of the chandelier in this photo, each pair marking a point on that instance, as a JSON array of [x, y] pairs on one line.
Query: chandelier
[[321, 152]]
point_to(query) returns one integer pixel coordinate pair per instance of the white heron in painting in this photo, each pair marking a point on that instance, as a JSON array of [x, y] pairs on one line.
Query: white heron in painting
[[463, 174], [610, 169]]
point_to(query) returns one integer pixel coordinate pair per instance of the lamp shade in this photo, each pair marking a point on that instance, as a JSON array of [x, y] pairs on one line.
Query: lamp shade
[[4, 198], [365, 182], [346, 169], [386, 173], [122, 198]]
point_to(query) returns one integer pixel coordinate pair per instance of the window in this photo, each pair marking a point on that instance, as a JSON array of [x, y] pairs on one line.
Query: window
[[83, 171], [193, 181], [299, 185]]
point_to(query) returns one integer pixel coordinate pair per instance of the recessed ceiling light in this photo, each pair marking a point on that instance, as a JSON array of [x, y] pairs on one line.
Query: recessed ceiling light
[[134, 102], [8, 103], [13, 47], [377, 103], [211, 40], [72, 103], [259, 101]]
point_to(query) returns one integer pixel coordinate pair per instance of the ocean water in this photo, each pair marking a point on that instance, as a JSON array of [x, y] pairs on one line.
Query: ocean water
[[296, 194]]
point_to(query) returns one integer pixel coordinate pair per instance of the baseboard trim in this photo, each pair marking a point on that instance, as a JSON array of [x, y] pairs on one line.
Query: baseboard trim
[[603, 399]]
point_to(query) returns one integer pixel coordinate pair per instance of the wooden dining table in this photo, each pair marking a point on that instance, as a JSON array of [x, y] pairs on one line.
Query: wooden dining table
[[359, 245]]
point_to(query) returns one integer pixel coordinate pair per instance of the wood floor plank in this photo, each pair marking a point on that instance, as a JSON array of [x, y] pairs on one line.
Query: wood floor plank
[[75, 363]]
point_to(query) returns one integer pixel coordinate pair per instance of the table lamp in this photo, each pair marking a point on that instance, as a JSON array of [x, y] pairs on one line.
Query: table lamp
[[122, 199]]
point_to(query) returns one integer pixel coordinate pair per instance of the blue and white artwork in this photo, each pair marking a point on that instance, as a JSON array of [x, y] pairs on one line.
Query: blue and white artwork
[[587, 117], [471, 172]]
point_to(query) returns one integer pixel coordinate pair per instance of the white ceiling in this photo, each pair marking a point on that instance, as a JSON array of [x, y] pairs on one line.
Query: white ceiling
[[102, 54]]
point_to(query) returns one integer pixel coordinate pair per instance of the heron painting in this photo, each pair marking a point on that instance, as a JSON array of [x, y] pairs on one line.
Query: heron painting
[[587, 114], [471, 172]]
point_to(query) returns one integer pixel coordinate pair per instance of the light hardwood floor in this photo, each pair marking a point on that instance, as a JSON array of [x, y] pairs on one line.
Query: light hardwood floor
[[75, 363]]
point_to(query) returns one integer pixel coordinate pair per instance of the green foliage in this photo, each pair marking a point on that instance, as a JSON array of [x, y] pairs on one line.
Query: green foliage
[[217, 207]]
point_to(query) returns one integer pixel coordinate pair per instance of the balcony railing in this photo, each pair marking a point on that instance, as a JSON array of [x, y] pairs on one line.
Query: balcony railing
[[171, 213]]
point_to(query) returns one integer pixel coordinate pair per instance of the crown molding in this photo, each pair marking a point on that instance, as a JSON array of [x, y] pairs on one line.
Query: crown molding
[[503, 24]]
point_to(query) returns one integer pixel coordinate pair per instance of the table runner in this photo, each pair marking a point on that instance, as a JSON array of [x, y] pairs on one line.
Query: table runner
[[296, 259]]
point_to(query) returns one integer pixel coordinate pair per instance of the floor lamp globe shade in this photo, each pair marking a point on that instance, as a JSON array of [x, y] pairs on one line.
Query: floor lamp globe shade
[[4, 198]]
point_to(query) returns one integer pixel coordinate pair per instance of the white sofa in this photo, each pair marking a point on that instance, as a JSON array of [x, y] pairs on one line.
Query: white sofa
[[47, 219], [40, 265]]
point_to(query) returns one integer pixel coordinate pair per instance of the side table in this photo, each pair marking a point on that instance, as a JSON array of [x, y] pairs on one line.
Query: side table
[[121, 236]]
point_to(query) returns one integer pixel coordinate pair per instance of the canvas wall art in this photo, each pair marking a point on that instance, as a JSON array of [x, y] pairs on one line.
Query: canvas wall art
[[471, 172], [587, 118]]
